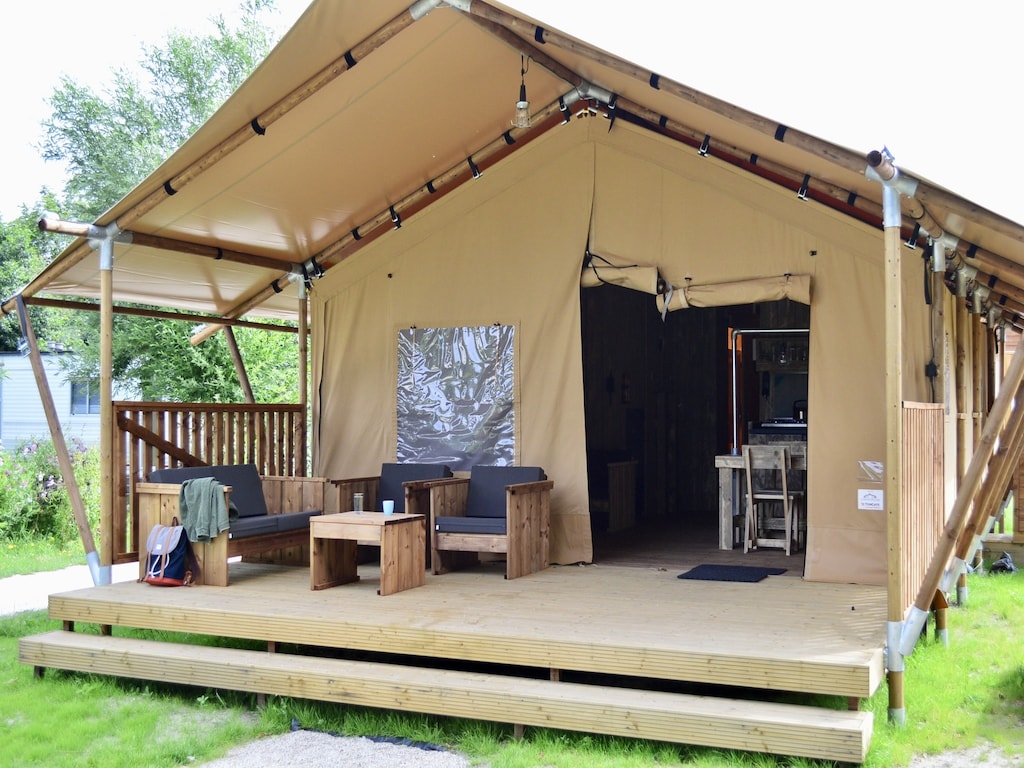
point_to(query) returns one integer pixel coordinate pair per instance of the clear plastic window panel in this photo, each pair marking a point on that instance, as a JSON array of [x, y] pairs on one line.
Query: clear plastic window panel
[[456, 395]]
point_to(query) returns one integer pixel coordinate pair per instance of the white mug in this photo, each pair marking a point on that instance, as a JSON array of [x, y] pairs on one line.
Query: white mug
[[389, 506]]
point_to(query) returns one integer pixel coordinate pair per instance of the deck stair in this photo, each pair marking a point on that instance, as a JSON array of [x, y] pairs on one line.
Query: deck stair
[[784, 729]]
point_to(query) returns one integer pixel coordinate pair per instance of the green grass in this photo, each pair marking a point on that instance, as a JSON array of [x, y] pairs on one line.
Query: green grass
[[969, 692], [956, 696], [87, 720], [35, 555]]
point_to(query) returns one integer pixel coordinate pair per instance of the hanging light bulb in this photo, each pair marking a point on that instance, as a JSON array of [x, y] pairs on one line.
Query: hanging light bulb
[[522, 118]]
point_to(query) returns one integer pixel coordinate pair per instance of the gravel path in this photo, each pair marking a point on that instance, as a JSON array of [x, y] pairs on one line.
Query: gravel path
[[312, 749]]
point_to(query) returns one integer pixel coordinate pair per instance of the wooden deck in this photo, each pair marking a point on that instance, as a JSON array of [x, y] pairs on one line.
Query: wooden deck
[[621, 647]]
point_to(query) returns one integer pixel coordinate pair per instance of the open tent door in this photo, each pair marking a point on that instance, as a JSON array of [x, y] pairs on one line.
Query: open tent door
[[658, 390]]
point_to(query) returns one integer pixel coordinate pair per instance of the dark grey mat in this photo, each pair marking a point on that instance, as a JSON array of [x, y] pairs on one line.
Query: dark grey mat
[[748, 573]]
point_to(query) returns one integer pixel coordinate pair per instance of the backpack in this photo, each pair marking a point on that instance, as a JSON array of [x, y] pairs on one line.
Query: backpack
[[169, 558]]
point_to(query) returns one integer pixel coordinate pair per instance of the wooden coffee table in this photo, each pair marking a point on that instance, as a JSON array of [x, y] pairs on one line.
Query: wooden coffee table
[[333, 542]]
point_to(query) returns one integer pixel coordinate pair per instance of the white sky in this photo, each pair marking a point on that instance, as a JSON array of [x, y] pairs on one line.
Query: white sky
[[938, 83]]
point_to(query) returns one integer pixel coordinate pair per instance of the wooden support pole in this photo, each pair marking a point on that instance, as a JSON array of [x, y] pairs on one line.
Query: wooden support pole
[[60, 447], [965, 442], [303, 350], [236, 358], [108, 492], [303, 373], [941, 609], [981, 371], [160, 314], [78, 229], [894, 458]]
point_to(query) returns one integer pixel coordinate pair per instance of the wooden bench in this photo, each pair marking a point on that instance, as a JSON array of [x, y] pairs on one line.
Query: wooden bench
[[290, 501]]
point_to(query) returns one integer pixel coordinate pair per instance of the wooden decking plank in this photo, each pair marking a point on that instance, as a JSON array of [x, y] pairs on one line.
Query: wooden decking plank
[[611, 620], [757, 726]]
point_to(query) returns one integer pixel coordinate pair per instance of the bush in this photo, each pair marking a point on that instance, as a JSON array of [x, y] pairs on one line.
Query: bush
[[34, 500]]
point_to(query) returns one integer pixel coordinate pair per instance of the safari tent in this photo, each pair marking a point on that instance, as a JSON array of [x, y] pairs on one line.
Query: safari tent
[[586, 270]]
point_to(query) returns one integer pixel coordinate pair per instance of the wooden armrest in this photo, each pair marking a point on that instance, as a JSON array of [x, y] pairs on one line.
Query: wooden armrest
[[443, 481], [419, 485], [528, 502], [163, 488], [538, 486], [370, 479]]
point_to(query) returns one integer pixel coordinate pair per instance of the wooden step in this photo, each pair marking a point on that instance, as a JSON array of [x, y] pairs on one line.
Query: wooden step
[[994, 544], [784, 729]]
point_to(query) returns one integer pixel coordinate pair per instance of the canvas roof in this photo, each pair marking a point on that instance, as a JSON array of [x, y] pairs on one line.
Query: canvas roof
[[362, 115]]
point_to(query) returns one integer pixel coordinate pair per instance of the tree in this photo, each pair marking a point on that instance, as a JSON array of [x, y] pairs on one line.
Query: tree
[[110, 142], [24, 251], [154, 360]]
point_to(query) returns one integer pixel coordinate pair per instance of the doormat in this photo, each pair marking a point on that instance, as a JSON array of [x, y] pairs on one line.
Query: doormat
[[748, 573]]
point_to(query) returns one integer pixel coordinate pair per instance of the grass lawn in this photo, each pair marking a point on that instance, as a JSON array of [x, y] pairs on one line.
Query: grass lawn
[[34, 555]]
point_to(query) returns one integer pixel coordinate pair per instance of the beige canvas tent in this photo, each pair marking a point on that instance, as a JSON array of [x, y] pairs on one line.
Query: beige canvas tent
[[372, 157]]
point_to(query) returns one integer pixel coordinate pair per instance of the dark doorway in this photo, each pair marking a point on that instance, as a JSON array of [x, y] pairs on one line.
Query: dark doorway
[[657, 397]]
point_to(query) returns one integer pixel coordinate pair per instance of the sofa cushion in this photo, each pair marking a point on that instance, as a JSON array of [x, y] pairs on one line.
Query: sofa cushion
[[244, 527], [293, 521], [491, 525], [486, 497], [393, 475], [244, 479]]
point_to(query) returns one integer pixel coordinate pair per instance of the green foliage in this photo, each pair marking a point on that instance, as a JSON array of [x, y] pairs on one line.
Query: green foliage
[[24, 252], [272, 361], [110, 141], [154, 360], [34, 501]]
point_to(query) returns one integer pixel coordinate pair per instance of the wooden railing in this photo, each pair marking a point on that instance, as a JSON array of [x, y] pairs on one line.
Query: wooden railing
[[150, 436], [924, 513]]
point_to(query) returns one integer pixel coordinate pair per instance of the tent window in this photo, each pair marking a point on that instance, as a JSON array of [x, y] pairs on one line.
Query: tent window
[[456, 395], [85, 397]]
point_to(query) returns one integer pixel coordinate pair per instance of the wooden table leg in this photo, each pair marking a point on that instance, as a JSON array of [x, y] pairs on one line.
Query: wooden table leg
[[725, 507], [403, 561], [331, 562]]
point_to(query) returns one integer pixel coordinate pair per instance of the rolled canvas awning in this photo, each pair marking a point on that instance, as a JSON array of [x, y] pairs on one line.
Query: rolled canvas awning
[[609, 270], [612, 270], [793, 287]]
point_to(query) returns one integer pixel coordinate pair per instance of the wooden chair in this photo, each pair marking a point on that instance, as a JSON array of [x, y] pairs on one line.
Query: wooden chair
[[404, 483], [502, 510], [767, 473]]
